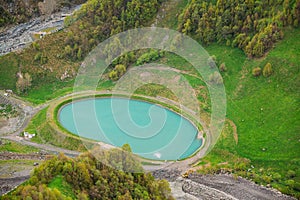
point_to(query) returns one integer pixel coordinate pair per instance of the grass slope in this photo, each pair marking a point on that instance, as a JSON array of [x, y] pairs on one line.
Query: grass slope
[[266, 112], [46, 134], [10, 146]]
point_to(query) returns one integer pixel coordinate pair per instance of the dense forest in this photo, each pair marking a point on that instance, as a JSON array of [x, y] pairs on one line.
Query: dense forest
[[97, 20], [253, 26], [86, 177]]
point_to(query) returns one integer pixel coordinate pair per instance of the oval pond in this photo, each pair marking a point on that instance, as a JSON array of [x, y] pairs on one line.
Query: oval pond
[[152, 131]]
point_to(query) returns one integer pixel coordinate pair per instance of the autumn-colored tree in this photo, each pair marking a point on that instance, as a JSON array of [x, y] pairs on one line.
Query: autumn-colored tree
[[222, 67], [256, 71], [267, 71], [215, 78]]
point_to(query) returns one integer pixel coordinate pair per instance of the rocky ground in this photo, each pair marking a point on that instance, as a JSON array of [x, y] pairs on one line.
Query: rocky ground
[[216, 187], [7, 184], [20, 35], [15, 168]]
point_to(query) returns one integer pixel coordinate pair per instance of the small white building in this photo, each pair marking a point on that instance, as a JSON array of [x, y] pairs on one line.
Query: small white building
[[28, 135], [9, 91]]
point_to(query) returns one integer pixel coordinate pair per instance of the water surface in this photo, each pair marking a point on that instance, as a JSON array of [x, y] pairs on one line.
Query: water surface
[[152, 131]]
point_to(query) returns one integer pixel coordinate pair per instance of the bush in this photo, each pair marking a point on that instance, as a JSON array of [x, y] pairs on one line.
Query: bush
[[117, 72], [152, 55], [216, 78], [113, 75], [35, 46], [276, 176], [38, 56], [212, 61], [266, 179], [291, 174], [256, 71], [267, 71], [222, 67], [290, 183]]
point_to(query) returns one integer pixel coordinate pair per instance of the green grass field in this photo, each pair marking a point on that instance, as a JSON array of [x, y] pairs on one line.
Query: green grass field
[[10, 146], [266, 112]]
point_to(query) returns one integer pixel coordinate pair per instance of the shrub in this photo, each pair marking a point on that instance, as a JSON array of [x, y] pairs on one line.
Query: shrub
[[212, 61], [256, 71], [152, 55], [267, 71], [216, 78], [38, 56], [222, 67], [35, 46], [117, 72], [291, 173], [120, 69], [113, 75], [276, 176], [266, 178], [290, 183]]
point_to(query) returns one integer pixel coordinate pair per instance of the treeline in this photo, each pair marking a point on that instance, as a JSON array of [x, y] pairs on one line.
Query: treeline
[[90, 178], [253, 26], [98, 20]]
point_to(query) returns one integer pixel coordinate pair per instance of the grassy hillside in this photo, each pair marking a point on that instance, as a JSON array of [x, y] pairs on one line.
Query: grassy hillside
[[266, 112]]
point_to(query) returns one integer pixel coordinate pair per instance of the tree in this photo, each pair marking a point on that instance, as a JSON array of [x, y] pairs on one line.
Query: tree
[[113, 75], [120, 69], [117, 72], [216, 78], [256, 71], [223, 67], [212, 61], [79, 54], [267, 71], [187, 27], [126, 147]]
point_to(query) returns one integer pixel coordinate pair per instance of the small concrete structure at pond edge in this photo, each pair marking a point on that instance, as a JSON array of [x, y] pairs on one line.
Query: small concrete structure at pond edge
[[28, 135]]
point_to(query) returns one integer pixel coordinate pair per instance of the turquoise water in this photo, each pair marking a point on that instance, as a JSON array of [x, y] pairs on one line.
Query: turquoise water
[[152, 131]]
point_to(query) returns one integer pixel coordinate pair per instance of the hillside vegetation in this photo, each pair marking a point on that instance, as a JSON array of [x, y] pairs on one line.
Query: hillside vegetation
[[256, 45], [86, 177], [53, 61], [253, 26], [18, 11]]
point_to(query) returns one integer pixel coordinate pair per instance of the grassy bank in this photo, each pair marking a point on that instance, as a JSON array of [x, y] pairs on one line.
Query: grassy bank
[[266, 113], [10, 146], [46, 134]]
